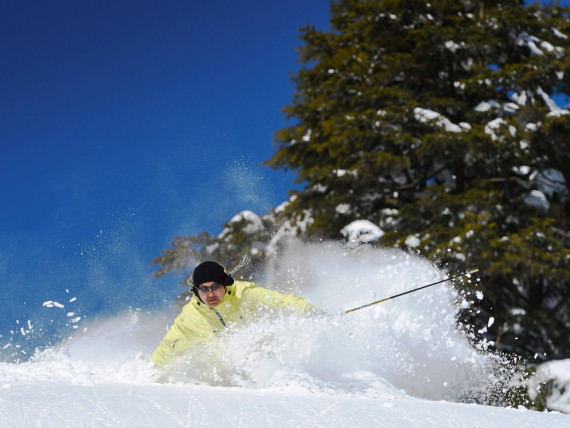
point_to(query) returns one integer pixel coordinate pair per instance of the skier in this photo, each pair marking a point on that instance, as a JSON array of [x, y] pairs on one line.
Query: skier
[[219, 302]]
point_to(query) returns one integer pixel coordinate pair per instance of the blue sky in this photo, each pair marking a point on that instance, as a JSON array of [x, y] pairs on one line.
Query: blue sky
[[125, 123], [108, 107]]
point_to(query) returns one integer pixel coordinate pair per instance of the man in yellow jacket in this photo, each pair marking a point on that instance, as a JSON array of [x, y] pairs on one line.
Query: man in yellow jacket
[[218, 303]]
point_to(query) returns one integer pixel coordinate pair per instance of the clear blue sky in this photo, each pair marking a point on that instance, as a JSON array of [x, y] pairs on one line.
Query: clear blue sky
[[110, 106], [125, 123]]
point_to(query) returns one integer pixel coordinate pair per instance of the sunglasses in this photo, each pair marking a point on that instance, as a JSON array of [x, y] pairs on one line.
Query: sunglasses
[[213, 287]]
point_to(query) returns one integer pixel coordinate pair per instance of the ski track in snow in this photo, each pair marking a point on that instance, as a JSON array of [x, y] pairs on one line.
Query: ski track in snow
[[398, 364], [47, 404]]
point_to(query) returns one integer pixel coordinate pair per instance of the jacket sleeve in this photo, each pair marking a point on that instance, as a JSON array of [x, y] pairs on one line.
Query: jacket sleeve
[[263, 297], [181, 336]]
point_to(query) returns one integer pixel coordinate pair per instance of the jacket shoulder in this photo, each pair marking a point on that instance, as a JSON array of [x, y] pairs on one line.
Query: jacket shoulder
[[240, 286]]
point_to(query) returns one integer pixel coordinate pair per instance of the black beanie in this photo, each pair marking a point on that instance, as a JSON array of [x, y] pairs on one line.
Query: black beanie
[[211, 272]]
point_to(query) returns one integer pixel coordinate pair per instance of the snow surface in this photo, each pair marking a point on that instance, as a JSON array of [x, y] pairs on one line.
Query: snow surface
[[402, 363]]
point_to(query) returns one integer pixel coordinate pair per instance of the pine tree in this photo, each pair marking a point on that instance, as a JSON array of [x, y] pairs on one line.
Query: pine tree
[[437, 114], [433, 120]]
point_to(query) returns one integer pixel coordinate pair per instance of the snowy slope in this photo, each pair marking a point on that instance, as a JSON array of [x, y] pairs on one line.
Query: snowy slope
[[60, 404], [401, 363]]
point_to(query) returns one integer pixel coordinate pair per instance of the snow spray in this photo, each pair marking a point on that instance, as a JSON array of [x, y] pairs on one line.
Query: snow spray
[[385, 299], [410, 346]]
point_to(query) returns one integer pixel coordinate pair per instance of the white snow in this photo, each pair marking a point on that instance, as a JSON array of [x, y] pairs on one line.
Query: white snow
[[116, 405], [401, 363], [495, 124], [283, 205], [558, 113], [343, 172], [536, 198], [360, 231], [484, 106], [342, 208], [52, 304], [520, 98], [529, 41], [254, 221], [557, 33], [521, 170], [412, 241], [559, 371], [424, 115], [454, 47], [550, 103], [549, 181]]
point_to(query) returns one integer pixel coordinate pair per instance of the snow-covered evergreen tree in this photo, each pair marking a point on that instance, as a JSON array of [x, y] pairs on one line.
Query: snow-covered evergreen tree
[[434, 121]]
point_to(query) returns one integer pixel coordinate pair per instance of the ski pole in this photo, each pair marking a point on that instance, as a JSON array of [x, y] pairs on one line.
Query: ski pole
[[245, 260], [411, 291]]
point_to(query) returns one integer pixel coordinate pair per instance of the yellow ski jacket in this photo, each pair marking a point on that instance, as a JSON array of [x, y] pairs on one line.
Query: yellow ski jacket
[[198, 322]]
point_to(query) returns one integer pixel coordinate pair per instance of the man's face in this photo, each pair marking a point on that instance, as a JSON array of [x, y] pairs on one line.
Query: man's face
[[211, 293]]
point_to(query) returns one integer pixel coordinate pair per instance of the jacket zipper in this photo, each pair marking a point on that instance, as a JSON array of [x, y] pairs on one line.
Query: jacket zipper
[[220, 317]]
